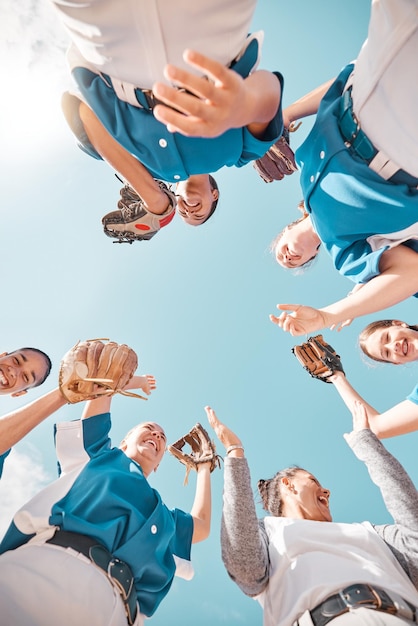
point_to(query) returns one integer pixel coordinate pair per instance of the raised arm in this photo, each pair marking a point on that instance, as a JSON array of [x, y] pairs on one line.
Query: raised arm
[[102, 405], [15, 425], [398, 280], [307, 105], [397, 489], [243, 541], [202, 505], [224, 101], [123, 162], [399, 420]]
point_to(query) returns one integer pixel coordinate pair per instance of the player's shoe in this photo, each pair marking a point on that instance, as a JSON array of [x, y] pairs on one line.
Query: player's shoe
[[132, 221]]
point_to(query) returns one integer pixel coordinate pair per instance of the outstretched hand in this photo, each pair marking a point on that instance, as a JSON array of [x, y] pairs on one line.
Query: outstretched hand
[[303, 320], [215, 102], [360, 417], [147, 383], [225, 435]]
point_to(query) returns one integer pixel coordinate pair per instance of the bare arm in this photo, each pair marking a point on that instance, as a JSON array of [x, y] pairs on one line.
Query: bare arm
[[398, 280], [225, 101], [102, 405], [202, 505], [399, 420], [14, 426], [123, 162], [307, 105]]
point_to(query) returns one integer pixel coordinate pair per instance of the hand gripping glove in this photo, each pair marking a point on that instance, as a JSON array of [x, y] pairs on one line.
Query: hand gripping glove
[[93, 368], [132, 221], [202, 450], [318, 358]]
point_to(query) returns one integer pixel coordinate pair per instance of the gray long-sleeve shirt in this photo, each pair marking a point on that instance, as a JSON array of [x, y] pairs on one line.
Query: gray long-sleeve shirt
[[245, 544]]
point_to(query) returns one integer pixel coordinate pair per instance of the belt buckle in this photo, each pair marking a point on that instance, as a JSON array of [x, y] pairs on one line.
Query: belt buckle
[[369, 600], [373, 599], [121, 575]]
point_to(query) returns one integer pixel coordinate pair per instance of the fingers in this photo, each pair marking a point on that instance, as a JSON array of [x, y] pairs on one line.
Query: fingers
[[360, 418], [212, 418], [211, 104], [151, 384], [225, 435], [288, 324]]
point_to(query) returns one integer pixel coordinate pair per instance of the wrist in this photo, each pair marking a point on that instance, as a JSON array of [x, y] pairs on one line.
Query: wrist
[[235, 450]]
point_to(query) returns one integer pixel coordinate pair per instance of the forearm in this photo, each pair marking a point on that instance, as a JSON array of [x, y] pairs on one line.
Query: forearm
[[397, 489], [307, 105], [398, 280], [202, 505], [96, 407], [349, 395], [244, 549], [14, 426], [264, 93]]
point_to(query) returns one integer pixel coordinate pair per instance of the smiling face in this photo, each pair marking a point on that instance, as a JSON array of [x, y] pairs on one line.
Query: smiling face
[[397, 344], [195, 197], [146, 445], [305, 498], [296, 245], [21, 370]]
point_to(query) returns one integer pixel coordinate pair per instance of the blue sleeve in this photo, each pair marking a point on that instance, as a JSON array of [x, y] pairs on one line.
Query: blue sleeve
[[357, 262], [2, 459], [413, 396], [182, 541], [253, 147]]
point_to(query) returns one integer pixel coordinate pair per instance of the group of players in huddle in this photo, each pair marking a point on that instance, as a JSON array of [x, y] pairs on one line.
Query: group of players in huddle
[[98, 546]]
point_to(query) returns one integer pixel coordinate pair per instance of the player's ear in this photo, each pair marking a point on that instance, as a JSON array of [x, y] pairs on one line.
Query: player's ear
[[3, 354], [123, 445]]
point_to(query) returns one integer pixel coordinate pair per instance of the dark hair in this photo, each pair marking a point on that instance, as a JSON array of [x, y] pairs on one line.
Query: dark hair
[[213, 185], [370, 329], [47, 360], [270, 490]]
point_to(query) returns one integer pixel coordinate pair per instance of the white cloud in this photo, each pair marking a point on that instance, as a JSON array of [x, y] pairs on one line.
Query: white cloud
[[23, 477]]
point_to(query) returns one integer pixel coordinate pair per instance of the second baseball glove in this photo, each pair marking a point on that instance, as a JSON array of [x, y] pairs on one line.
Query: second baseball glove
[[202, 450], [93, 368], [318, 358], [278, 162]]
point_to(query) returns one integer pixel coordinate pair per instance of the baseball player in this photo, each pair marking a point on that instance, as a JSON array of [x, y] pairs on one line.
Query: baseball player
[[359, 175], [21, 370], [304, 568], [168, 91], [98, 546]]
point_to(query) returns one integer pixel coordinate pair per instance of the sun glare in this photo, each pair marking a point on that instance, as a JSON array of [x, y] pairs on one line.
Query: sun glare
[[31, 116]]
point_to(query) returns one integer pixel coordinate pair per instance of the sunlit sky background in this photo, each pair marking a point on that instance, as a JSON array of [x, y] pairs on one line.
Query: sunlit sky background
[[193, 302]]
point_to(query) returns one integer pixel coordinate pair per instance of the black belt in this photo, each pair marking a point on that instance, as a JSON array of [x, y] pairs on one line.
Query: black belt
[[361, 595], [357, 140], [117, 571]]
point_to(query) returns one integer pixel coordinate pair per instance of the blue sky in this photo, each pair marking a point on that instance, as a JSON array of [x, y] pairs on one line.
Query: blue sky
[[193, 302]]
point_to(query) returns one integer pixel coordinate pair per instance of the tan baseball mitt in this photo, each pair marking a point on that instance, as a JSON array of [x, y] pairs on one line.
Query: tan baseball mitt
[[94, 368], [202, 450]]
